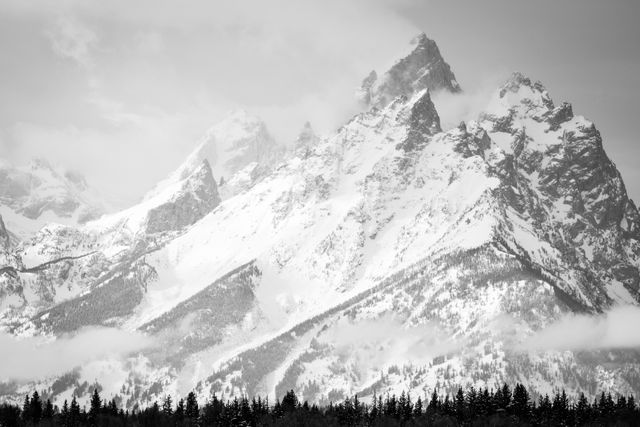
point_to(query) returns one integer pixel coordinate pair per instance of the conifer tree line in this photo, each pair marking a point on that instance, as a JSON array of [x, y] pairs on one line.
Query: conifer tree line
[[475, 407]]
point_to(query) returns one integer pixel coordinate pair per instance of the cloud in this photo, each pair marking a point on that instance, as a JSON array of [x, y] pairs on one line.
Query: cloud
[[454, 108], [615, 329], [378, 343], [71, 39], [25, 359], [152, 76]]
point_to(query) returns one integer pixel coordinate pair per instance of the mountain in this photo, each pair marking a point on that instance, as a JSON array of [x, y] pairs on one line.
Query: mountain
[[392, 255], [306, 140], [423, 68], [33, 195]]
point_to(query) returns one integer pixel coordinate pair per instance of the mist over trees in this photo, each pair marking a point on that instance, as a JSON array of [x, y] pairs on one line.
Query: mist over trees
[[473, 407]]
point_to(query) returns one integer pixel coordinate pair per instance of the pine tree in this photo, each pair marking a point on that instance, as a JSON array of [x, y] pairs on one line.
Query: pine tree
[[47, 412], [113, 407], [35, 407], [357, 410], [289, 401], [434, 403], [560, 408], [179, 414], [64, 415], [460, 408], [277, 409], [610, 405], [506, 397], [544, 409], [582, 410], [485, 402], [167, 405], [448, 407], [26, 410], [192, 412], [472, 400], [402, 404], [631, 403], [417, 409], [95, 406], [74, 413], [373, 414], [603, 409], [520, 404], [245, 410]]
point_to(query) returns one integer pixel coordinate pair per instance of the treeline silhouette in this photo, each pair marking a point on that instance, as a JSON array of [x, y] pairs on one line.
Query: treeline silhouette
[[482, 407]]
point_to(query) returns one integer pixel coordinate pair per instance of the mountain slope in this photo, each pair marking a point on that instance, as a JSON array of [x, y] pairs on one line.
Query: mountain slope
[[391, 255]]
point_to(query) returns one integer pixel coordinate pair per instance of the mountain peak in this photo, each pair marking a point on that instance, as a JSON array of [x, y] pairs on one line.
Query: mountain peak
[[423, 68], [228, 146], [240, 116], [39, 192], [517, 81], [519, 96]]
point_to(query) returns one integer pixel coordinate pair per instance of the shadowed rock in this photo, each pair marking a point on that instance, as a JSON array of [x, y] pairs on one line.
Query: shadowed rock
[[423, 68]]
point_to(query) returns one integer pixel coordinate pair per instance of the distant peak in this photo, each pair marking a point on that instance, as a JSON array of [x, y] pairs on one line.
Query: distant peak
[[77, 179], [307, 137], [306, 127], [40, 163], [240, 115]]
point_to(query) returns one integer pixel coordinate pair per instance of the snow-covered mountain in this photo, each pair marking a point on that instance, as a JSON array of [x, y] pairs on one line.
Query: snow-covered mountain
[[390, 255], [38, 193]]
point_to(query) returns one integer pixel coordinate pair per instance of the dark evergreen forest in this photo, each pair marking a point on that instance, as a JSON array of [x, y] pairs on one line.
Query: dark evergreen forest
[[482, 407]]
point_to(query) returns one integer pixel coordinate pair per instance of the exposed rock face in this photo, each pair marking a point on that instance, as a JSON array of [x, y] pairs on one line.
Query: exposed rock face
[[5, 240], [439, 252], [423, 123], [197, 197], [423, 68], [115, 271]]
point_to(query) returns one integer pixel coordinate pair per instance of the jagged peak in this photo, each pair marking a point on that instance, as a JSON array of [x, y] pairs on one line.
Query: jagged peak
[[240, 116], [425, 46], [518, 80], [423, 68], [307, 131], [40, 163], [239, 139], [521, 96], [306, 139]]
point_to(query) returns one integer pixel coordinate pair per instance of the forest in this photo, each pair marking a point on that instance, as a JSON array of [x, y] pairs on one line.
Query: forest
[[482, 407]]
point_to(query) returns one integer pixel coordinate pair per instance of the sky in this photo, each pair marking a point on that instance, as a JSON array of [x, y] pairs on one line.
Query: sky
[[121, 91]]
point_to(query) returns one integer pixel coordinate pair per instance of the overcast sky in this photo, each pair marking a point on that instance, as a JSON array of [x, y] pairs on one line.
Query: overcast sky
[[121, 90]]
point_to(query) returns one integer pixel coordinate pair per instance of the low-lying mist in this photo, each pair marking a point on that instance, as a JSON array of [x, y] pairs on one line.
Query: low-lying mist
[[35, 358]]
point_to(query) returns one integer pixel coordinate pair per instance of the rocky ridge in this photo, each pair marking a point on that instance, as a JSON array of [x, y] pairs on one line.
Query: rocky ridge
[[391, 255]]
